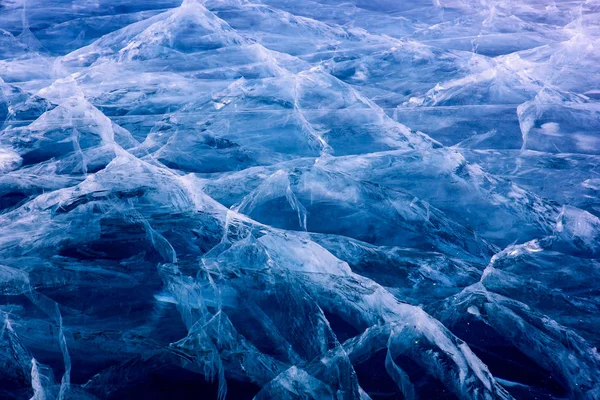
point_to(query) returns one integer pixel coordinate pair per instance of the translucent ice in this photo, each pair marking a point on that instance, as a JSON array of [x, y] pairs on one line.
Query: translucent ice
[[316, 199]]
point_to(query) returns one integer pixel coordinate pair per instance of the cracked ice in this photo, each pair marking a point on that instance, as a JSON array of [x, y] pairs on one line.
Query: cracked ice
[[311, 199]]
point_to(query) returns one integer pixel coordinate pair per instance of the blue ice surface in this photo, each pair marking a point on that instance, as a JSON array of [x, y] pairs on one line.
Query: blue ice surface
[[299, 199]]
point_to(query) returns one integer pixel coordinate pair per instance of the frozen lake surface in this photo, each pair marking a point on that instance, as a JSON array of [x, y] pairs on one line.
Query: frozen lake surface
[[299, 199]]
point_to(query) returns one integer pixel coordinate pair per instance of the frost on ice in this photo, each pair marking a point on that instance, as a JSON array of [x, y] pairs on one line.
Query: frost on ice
[[316, 199]]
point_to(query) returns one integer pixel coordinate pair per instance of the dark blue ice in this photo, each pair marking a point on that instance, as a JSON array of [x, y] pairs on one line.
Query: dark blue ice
[[299, 199]]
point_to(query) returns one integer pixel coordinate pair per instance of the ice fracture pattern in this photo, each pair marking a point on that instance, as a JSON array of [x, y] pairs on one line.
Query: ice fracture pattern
[[299, 199]]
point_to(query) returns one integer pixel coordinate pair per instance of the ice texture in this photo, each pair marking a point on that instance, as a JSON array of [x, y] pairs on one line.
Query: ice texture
[[299, 199]]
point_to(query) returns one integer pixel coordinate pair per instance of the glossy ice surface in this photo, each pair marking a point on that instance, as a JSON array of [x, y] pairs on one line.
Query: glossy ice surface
[[299, 199]]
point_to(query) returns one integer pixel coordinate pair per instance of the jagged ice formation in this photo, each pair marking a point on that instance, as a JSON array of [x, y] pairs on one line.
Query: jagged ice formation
[[299, 199]]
